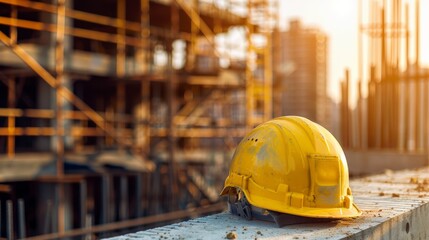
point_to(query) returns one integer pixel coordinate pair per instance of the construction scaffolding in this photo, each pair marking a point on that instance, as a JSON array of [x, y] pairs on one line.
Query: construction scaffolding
[[394, 114], [138, 94]]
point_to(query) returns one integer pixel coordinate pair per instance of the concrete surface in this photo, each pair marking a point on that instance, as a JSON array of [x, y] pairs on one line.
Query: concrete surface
[[377, 161], [395, 205]]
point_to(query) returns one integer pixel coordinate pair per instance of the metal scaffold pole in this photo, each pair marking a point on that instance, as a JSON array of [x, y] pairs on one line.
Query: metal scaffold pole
[[396, 109], [110, 83], [171, 98], [59, 70]]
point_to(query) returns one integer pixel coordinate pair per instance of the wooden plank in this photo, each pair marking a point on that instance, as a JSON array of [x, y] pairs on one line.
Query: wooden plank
[[395, 205]]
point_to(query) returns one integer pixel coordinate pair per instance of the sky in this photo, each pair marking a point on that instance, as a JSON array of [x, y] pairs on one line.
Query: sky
[[339, 19]]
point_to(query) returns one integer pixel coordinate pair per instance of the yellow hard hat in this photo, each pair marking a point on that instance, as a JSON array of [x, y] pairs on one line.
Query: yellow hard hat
[[292, 165]]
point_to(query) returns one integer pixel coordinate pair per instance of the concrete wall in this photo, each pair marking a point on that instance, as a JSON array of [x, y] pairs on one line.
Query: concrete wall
[[367, 162]]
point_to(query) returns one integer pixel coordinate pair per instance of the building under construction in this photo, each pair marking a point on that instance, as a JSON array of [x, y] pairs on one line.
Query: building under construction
[[388, 127], [303, 59], [394, 113], [123, 115]]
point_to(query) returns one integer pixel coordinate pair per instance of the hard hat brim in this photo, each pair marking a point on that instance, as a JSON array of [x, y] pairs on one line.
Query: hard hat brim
[[313, 212]]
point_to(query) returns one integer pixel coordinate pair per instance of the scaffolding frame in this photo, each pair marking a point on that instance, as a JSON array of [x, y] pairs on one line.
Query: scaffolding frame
[[185, 123]]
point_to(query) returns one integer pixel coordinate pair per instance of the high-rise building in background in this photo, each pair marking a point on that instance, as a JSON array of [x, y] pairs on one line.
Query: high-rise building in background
[[303, 74]]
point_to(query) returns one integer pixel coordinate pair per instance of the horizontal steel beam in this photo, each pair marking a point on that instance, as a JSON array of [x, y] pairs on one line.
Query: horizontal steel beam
[[64, 92], [93, 18], [76, 32], [127, 133], [49, 113]]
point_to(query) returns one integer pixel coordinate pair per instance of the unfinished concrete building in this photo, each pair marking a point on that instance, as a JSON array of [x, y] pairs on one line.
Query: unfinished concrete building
[[124, 110], [304, 57]]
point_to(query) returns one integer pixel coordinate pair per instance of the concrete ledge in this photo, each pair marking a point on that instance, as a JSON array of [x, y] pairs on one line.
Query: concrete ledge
[[395, 205], [377, 161]]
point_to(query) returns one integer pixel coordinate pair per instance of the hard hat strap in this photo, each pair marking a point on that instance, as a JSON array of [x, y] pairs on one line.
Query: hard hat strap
[[244, 209], [241, 207]]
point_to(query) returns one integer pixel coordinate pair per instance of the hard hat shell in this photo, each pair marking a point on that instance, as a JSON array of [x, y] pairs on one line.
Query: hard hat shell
[[293, 165]]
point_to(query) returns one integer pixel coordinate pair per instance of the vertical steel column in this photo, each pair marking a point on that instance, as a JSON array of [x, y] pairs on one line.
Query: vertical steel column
[[171, 93], [120, 67], [425, 114], [268, 78], [105, 195], [399, 29], [347, 108], [278, 77], [259, 70], [217, 22], [392, 96], [88, 224], [378, 115], [59, 69], [383, 42], [11, 119], [361, 133], [82, 200], [277, 58], [383, 83], [144, 56], [397, 106], [345, 111], [418, 95], [48, 219], [60, 206], [407, 120], [21, 214], [120, 38], [148, 195], [371, 108], [156, 190], [120, 112], [417, 25], [109, 120], [195, 23], [139, 195], [424, 81], [250, 100], [13, 29], [145, 117], [123, 202], [145, 84], [12, 92], [401, 87], [9, 220]]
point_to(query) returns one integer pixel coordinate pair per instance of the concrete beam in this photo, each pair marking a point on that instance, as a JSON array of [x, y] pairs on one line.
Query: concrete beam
[[377, 161]]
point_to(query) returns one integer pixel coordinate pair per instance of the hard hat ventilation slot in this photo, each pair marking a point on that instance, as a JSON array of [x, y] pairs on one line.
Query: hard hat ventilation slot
[[252, 139]]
